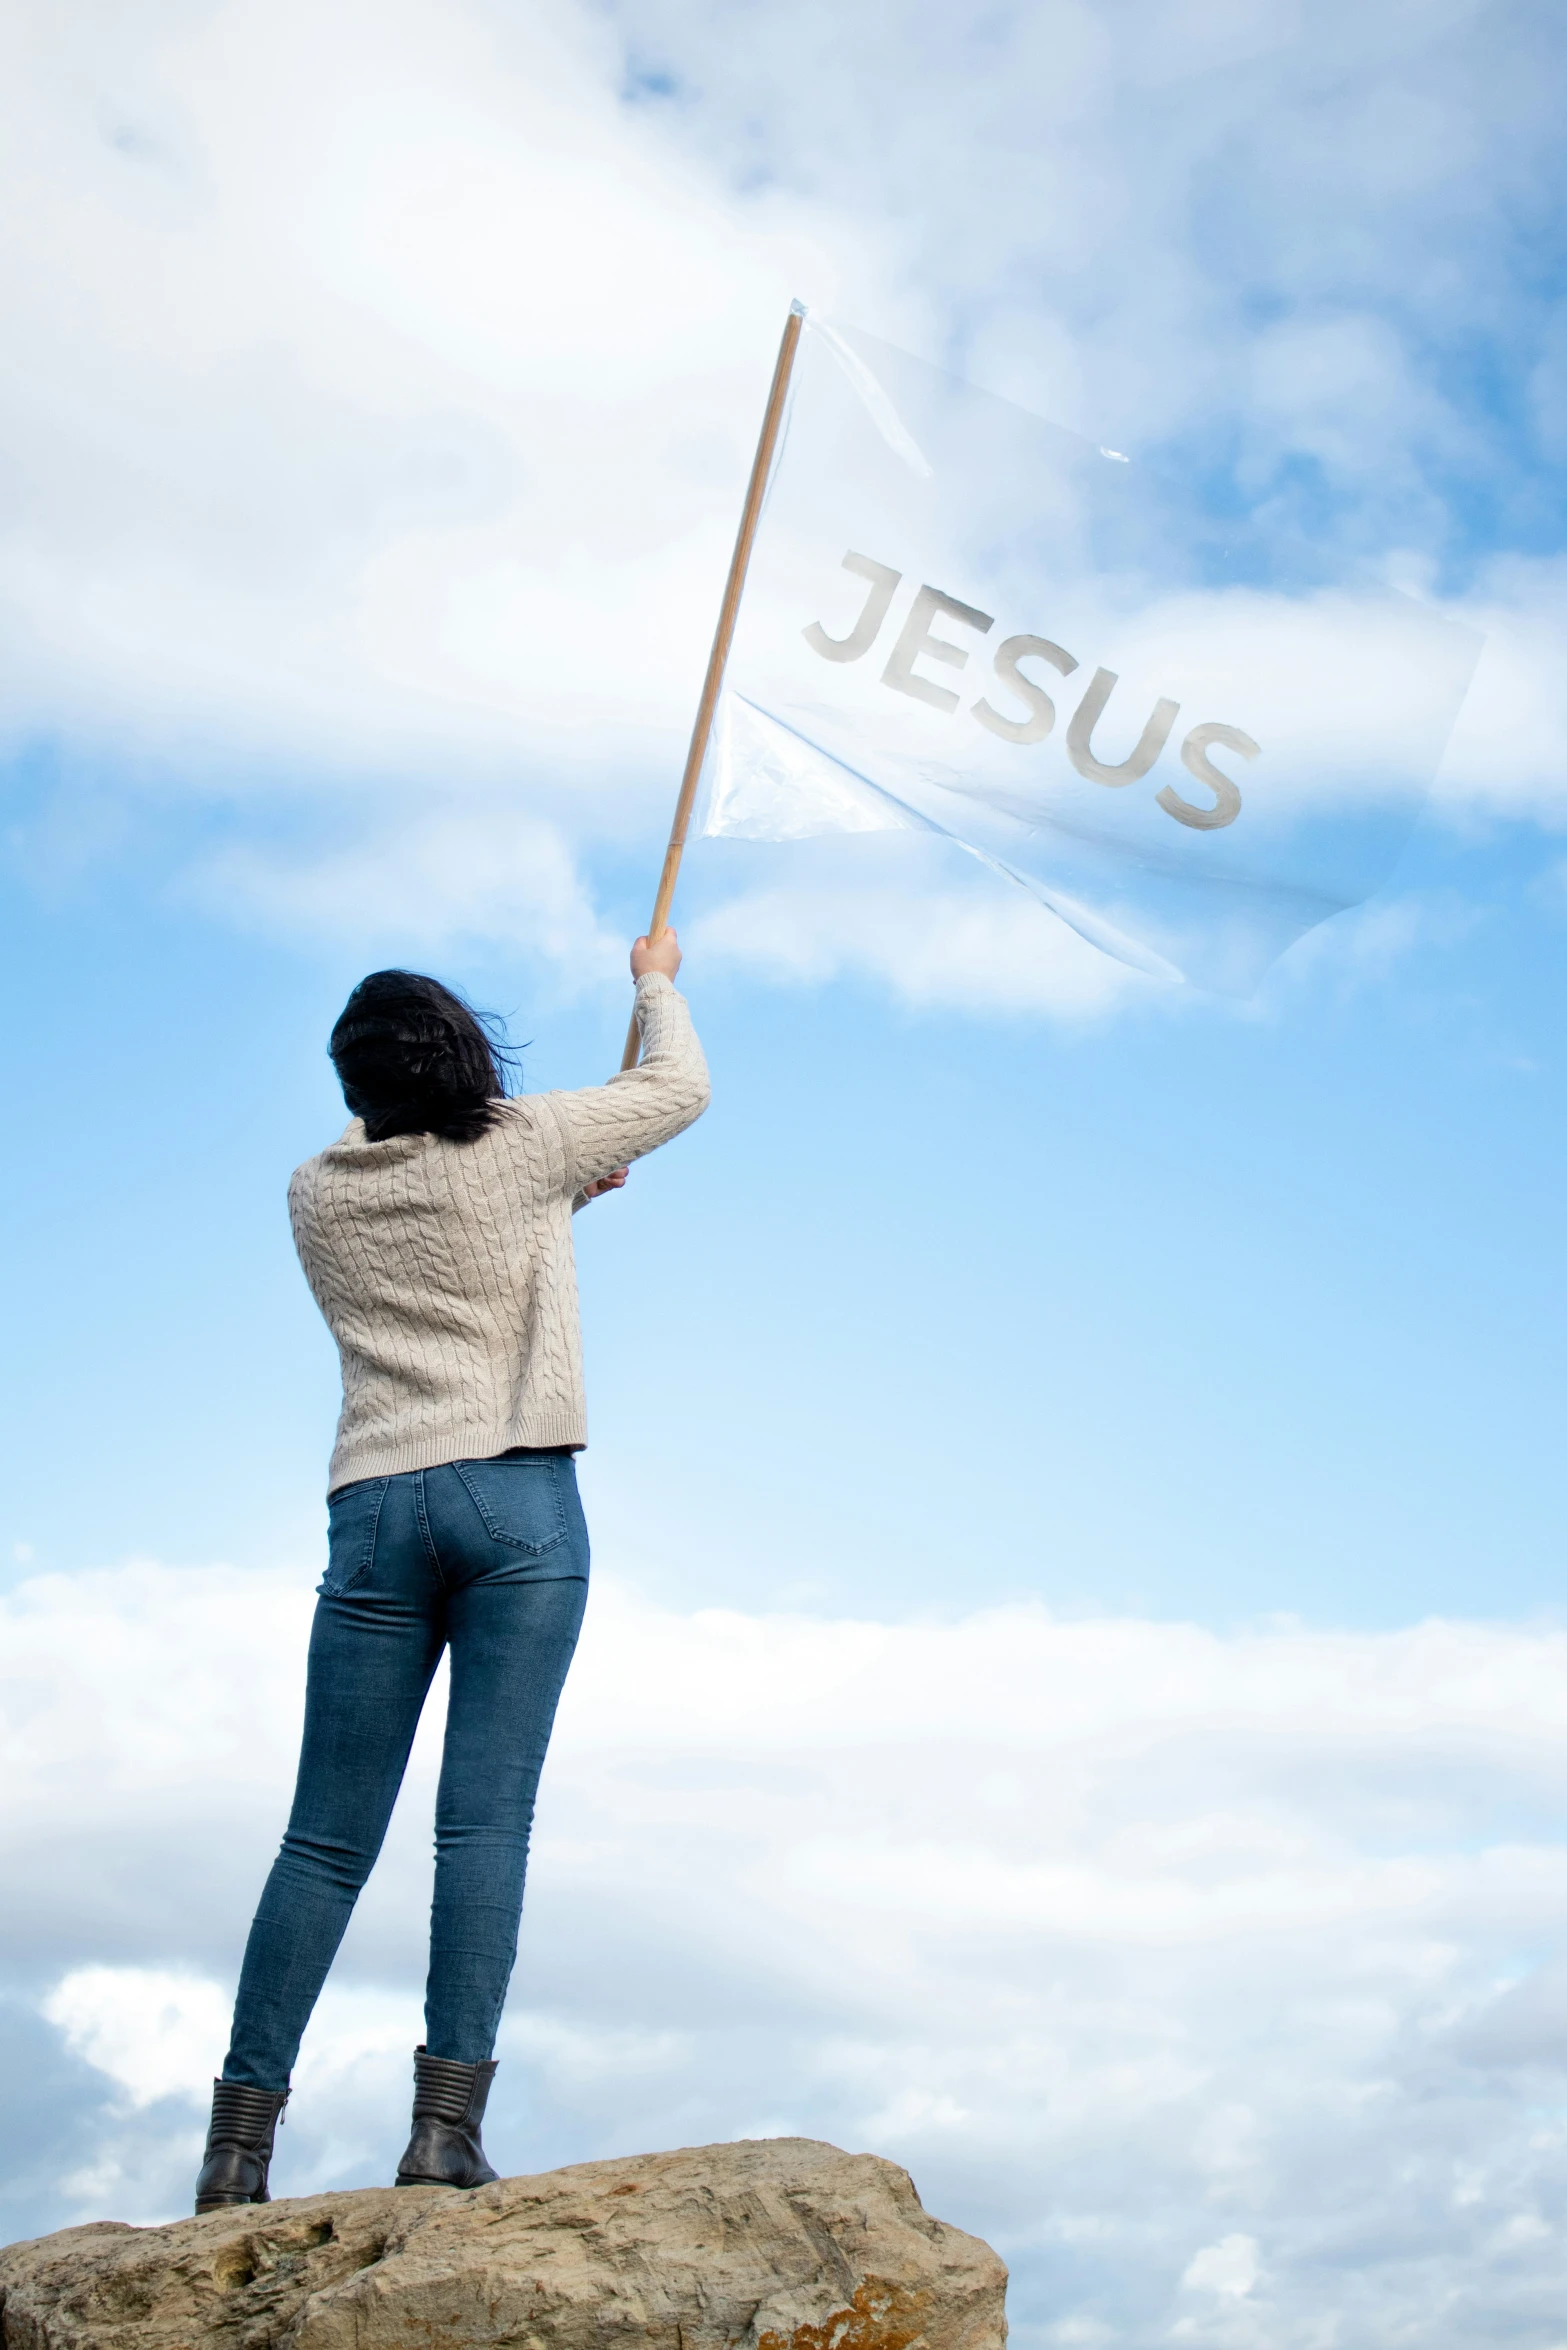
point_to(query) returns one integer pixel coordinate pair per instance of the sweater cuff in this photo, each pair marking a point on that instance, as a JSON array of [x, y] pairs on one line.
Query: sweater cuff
[[655, 982]]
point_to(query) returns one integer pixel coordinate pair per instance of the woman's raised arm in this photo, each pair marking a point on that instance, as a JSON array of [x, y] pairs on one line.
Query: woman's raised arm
[[606, 1126]]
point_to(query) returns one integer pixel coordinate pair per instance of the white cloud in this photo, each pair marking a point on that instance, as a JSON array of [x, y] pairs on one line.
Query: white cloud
[[1229, 2268], [1506, 754], [1142, 206], [387, 394], [153, 2033], [1141, 1944]]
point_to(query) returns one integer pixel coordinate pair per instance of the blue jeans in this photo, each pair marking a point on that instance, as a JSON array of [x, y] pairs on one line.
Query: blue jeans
[[489, 1558]]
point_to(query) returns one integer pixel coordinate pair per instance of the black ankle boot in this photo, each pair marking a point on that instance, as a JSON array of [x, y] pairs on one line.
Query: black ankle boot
[[449, 2099], [239, 2145]]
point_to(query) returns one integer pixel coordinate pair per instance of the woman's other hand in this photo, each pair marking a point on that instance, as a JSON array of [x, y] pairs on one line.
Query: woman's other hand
[[614, 1181], [663, 955]]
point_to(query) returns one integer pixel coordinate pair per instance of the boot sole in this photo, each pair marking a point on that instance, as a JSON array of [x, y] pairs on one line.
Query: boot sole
[[402, 2180]]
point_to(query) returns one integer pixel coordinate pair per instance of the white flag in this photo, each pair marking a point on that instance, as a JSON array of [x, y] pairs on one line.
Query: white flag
[[1191, 741]]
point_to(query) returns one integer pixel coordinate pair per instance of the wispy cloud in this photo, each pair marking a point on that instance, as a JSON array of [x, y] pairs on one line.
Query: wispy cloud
[[911, 915]]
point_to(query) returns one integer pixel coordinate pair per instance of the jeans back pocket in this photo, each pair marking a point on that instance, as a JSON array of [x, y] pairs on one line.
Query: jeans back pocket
[[520, 1501], [353, 1516]]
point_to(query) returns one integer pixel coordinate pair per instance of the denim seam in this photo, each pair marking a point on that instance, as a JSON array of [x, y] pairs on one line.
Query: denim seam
[[422, 1514]]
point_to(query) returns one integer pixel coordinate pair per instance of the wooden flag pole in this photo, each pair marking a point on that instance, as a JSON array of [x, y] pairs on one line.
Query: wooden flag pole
[[728, 614]]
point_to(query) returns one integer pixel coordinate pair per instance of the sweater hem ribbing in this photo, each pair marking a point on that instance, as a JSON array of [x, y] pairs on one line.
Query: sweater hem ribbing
[[463, 1444]]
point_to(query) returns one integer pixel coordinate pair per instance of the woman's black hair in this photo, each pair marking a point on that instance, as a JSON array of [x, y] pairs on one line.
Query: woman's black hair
[[413, 1058]]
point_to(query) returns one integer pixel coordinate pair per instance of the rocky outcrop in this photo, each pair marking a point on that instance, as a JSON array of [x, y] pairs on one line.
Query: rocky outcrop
[[770, 2244]]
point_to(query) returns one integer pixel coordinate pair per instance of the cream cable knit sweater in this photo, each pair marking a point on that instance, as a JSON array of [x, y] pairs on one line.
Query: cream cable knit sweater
[[445, 1269]]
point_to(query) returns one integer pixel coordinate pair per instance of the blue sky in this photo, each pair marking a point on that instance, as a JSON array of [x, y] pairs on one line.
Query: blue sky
[[1037, 1415], [1206, 1311]]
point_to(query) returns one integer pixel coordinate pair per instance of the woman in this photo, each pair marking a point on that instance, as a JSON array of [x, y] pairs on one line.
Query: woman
[[436, 1236]]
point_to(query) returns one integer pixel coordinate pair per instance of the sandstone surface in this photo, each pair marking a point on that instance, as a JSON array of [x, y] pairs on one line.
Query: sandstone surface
[[768, 2244]]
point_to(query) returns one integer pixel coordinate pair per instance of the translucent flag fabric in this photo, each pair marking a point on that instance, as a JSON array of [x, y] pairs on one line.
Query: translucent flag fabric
[[1190, 739]]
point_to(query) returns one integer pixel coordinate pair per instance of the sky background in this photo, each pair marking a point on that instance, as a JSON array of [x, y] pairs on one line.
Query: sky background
[[1076, 1689]]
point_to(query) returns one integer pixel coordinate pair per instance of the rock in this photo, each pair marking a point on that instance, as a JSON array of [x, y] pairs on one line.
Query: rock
[[770, 2244]]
